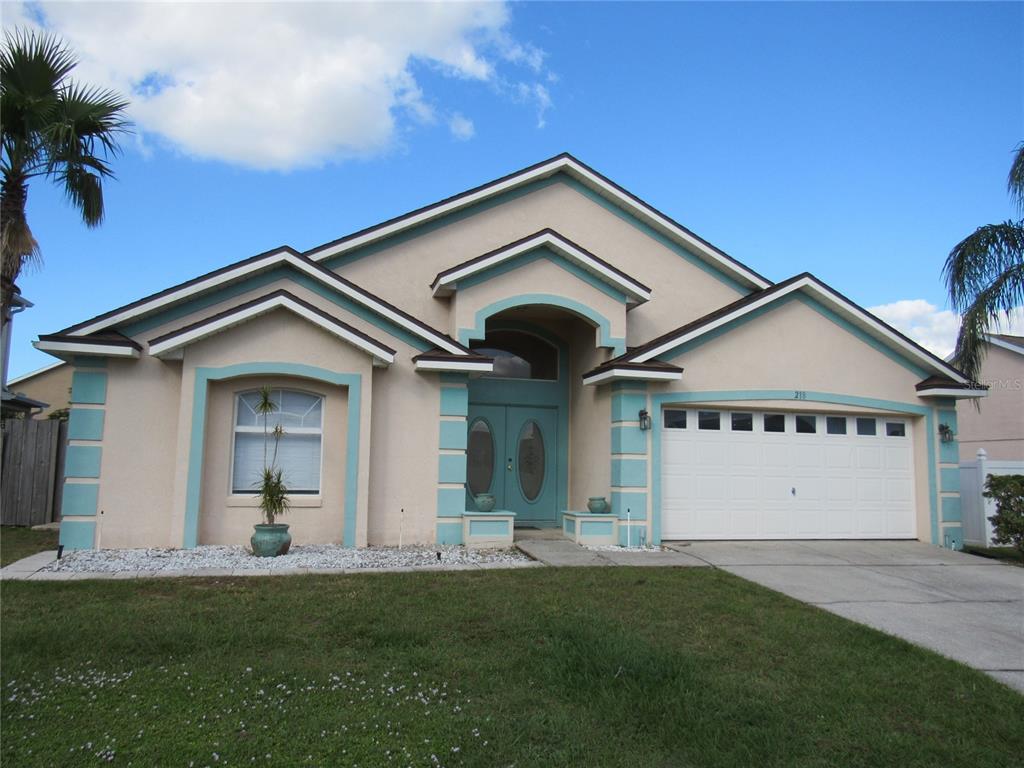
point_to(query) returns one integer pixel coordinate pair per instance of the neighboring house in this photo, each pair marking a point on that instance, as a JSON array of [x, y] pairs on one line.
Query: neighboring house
[[997, 425], [546, 337], [50, 386]]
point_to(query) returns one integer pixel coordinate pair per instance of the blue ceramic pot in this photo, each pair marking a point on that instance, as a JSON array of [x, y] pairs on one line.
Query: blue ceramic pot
[[598, 505], [484, 501], [270, 540]]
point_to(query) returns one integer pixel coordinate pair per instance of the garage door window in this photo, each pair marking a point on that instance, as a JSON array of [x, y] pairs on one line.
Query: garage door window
[[709, 420], [866, 427], [675, 419], [743, 422], [806, 425], [835, 425], [895, 429], [774, 422]]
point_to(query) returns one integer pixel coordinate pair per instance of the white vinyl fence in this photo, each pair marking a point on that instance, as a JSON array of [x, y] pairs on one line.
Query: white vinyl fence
[[976, 509]]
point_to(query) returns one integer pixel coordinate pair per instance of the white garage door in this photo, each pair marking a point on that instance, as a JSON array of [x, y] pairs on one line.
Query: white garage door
[[763, 475]]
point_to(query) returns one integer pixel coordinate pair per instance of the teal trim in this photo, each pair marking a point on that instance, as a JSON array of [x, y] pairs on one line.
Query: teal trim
[[449, 377], [80, 499], [809, 302], [596, 527], [489, 527], [627, 407], [949, 453], [951, 509], [949, 479], [454, 401], [185, 308], [631, 503], [449, 533], [451, 502], [82, 461], [89, 387], [538, 253], [85, 424], [569, 526], [193, 492], [660, 400], [620, 386], [629, 440], [85, 361], [453, 435], [451, 468], [953, 537], [77, 534], [632, 535], [479, 330], [629, 473]]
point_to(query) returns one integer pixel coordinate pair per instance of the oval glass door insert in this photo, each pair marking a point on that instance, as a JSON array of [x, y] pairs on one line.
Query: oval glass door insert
[[531, 460], [480, 457]]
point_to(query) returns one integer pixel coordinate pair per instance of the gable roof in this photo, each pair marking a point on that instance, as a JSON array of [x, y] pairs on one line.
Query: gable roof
[[575, 169], [253, 265], [170, 344], [36, 372], [1006, 341], [446, 282], [807, 283]]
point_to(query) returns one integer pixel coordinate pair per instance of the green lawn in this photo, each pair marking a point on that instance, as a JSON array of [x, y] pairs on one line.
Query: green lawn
[[1010, 554], [540, 667], [18, 542]]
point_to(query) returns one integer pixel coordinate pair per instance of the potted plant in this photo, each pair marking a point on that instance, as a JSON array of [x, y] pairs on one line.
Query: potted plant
[[270, 538]]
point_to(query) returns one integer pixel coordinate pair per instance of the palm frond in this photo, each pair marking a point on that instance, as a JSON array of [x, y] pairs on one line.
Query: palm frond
[[983, 315], [1015, 182], [980, 258]]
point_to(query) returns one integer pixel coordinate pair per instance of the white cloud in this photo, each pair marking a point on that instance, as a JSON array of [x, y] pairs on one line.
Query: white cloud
[[936, 329], [287, 84], [462, 128]]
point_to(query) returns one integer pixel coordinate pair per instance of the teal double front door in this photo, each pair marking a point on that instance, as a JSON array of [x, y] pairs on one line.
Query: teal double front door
[[513, 453]]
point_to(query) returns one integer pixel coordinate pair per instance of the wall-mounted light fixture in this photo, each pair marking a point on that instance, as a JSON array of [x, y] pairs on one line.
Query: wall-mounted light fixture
[[645, 420], [946, 433]]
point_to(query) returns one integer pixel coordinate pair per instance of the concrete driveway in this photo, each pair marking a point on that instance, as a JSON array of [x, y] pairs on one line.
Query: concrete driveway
[[965, 607]]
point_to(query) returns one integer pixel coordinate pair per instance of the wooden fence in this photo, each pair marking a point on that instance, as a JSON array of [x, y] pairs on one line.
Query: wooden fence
[[32, 471]]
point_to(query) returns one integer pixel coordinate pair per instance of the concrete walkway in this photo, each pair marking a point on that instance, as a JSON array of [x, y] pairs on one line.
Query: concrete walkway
[[965, 607], [563, 553]]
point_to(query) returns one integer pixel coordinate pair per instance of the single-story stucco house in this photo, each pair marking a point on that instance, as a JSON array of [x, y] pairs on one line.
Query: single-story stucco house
[[547, 337]]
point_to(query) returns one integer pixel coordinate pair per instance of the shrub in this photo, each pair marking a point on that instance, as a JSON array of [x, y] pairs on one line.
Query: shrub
[[1008, 522]]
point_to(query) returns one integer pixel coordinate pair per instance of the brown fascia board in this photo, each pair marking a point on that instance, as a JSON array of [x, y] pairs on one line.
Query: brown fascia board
[[941, 382], [116, 339], [654, 365], [441, 355], [280, 292], [520, 241]]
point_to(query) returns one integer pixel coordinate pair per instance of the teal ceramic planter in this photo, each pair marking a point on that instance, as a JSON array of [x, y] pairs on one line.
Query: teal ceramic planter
[[484, 501], [598, 505], [270, 540]]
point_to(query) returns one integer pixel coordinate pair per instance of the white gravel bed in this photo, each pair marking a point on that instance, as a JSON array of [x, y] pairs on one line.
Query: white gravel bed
[[312, 556], [617, 548]]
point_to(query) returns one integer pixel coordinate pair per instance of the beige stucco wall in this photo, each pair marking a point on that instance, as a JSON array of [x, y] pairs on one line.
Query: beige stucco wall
[[227, 518], [589, 424], [681, 291], [52, 386], [997, 425]]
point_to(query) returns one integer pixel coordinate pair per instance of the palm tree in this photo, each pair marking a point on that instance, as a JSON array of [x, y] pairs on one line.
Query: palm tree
[[54, 127], [985, 276]]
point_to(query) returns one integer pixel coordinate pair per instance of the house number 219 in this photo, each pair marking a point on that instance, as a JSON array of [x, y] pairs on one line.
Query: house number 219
[[799, 394]]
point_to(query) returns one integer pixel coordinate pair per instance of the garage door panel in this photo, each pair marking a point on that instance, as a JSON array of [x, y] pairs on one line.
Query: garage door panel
[[739, 485]]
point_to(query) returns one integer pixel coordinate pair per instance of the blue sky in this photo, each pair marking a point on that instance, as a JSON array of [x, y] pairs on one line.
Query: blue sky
[[856, 141]]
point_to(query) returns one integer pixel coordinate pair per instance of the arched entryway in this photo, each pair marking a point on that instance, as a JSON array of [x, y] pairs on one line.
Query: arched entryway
[[518, 422]]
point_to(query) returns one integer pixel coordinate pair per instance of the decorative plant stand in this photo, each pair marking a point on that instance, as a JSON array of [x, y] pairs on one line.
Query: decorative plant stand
[[590, 530], [488, 530]]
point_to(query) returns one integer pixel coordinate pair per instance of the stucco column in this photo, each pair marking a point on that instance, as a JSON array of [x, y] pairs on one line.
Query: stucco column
[[630, 457]]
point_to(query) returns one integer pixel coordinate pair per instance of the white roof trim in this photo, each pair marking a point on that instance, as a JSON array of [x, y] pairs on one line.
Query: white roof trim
[[58, 348], [622, 374], [581, 174], [959, 394], [454, 365], [560, 245], [1004, 345], [172, 345], [859, 316], [270, 260], [36, 372]]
